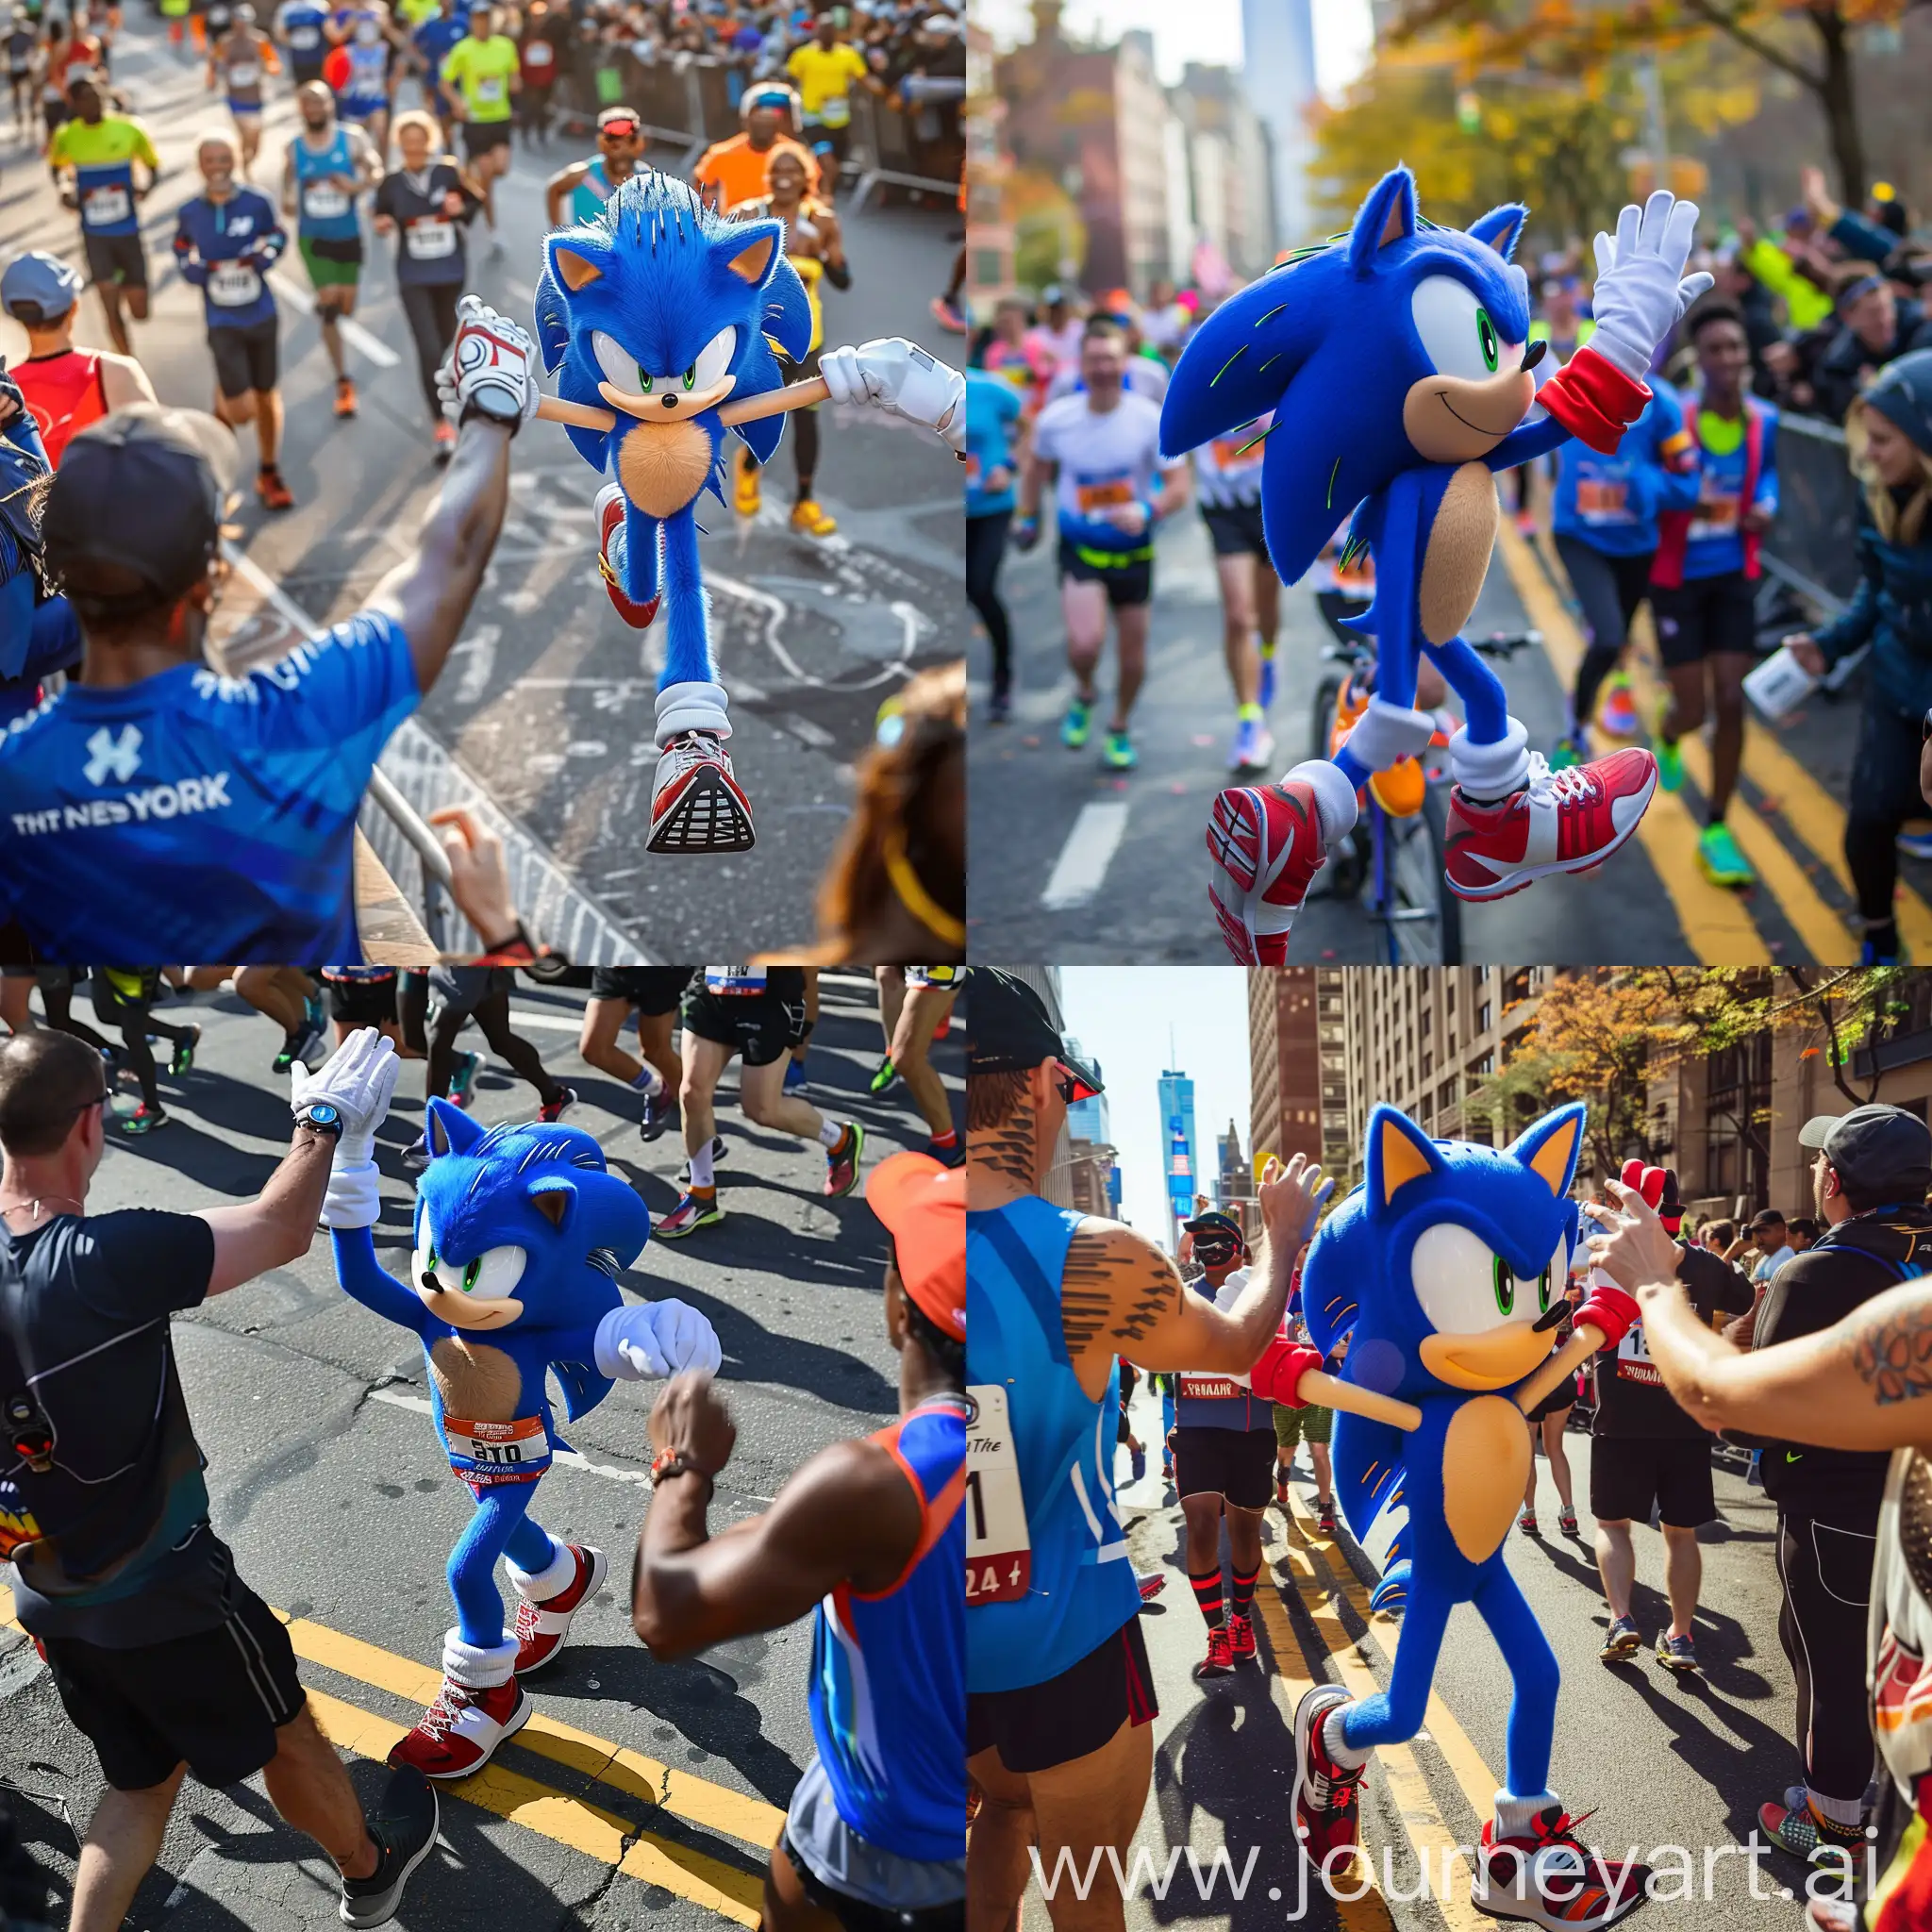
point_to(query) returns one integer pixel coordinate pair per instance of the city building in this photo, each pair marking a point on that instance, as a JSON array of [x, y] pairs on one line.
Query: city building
[[1285, 1108], [1234, 1180], [1220, 176], [1278, 73], [988, 172], [1182, 1149], [1094, 1175]]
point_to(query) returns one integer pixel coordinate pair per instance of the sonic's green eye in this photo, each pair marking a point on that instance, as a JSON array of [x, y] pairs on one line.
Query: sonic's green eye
[[1486, 334], [690, 377], [647, 380], [1542, 1292], [472, 1274], [429, 1265], [1506, 1287]]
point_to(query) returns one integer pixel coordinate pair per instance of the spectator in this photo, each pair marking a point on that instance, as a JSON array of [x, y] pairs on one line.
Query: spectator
[[1801, 1232], [1775, 265], [1877, 329], [1767, 1238], [1719, 1237]]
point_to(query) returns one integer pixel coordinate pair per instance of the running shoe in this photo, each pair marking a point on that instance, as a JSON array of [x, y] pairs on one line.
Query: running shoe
[[542, 1627], [1219, 1662], [143, 1120], [747, 484], [273, 492], [1723, 863], [795, 1080], [554, 1110], [1325, 1519], [1268, 842], [841, 1162], [1281, 1496], [609, 510], [1526, 1522], [1617, 713], [1670, 763], [1253, 749], [460, 1733], [1241, 1638], [1622, 1641], [445, 439], [697, 805], [660, 1109], [882, 1076], [1150, 1583], [345, 396], [810, 517], [1077, 725], [312, 1009], [462, 1079], [1118, 753], [1677, 1654], [1915, 844], [1566, 1522], [299, 1044], [999, 708], [1559, 822], [402, 1828], [1804, 1833], [417, 1157], [693, 1213], [1327, 1799], [1266, 694], [949, 315], [1569, 751], [954, 1156], [1869, 955], [184, 1052], [717, 1160], [1550, 1878]]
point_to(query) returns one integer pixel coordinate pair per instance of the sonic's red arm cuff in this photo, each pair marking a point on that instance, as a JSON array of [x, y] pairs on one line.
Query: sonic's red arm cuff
[[1279, 1372], [1593, 400]]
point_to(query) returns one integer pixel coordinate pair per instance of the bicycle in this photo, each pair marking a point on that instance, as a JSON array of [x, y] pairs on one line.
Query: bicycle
[[1394, 865]]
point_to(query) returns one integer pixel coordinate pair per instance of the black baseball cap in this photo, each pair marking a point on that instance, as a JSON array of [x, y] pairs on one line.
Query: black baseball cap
[[1766, 1217], [1215, 1222], [143, 490], [1876, 1149], [1010, 1031]]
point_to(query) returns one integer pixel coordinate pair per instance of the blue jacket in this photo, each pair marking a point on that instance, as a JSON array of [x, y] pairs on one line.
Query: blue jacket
[[1891, 610], [227, 252], [1611, 503]]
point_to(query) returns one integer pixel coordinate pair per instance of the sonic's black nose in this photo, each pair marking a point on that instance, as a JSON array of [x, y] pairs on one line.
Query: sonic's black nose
[[1533, 353], [1552, 1314], [430, 1282], [671, 402]]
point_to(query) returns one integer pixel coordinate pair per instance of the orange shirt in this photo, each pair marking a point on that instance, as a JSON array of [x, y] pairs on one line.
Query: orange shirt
[[736, 171]]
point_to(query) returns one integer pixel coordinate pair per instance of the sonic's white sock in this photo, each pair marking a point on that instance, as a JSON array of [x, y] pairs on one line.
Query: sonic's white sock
[[1517, 1817], [477, 1667], [539, 1585], [1340, 1752]]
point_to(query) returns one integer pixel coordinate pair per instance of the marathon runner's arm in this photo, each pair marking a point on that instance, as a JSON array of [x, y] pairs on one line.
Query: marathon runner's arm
[[288, 204], [558, 188], [124, 381], [1175, 489], [278, 1226]]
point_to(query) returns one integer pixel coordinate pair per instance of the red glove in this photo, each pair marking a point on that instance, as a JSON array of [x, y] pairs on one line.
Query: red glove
[[1279, 1374], [1609, 1308]]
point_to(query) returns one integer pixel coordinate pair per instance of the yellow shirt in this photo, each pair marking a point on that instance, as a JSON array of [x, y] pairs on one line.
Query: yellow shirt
[[483, 70], [824, 78]]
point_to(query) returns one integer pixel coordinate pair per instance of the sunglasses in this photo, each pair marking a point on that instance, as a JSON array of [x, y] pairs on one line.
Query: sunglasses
[[1071, 1086], [618, 130]]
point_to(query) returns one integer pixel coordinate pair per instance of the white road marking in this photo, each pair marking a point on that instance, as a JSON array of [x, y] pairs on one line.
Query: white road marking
[[298, 298], [1080, 870], [478, 654]]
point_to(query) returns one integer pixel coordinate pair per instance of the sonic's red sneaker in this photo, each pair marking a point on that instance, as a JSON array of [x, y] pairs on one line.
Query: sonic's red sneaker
[[1268, 842], [1327, 1800], [1566, 821], [1550, 1878], [698, 805], [609, 507], [542, 1627], [460, 1731]]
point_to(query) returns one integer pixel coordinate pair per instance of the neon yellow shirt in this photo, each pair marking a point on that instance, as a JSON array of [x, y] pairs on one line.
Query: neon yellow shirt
[[483, 68], [824, 80], [416, 11]]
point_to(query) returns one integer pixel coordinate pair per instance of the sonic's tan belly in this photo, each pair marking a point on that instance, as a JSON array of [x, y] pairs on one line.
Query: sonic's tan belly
[[1485, 1468], [477, 1383], [1456, 557], [662, 466]]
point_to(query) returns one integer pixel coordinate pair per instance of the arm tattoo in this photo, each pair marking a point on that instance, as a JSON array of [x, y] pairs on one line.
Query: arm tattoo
[[1894, 1356], [1115, 1288]]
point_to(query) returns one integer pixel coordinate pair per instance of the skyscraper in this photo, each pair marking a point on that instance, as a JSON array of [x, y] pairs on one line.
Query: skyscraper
[[1278, 73], [1181, 1151]]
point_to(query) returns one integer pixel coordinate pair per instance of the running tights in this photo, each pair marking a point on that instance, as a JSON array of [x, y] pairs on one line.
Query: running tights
[[491, 1015], [1826, 1573], [986, 549], [1609, 589], [1884, 795], [431, 309]]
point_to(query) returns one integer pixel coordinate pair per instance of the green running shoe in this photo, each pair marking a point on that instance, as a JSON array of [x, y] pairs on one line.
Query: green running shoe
[[184, 1052], [1723, 863], [1670, 763], [1119, 753], [1077, 725], [1569, 752], [882, 1076]]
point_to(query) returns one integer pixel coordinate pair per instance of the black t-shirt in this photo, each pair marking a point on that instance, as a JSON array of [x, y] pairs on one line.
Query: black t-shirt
[[1631, 1399], [430, 248], [110, 1543]]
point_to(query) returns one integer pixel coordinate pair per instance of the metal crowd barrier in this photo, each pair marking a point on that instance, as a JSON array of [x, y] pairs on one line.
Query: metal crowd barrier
[[922, 148], [1812, 545]]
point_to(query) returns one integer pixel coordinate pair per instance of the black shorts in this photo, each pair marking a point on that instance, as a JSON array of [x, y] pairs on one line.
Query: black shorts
[[805, 370], [1236, 529], [862, 1915], [1627, 1474], [1560, 1398], [214, 1700], [1706, 617], [759, 1026], [56, 114], [247, 358], [480, 137], [1070, 1715], [651, 990], [303, 71], [363, 1002], [1235, 1463], [1128, 583], [117, 258], [837, 140]]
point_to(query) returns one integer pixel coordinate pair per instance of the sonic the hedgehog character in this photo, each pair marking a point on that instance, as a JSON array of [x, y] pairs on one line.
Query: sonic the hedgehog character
[[663, 323], [1397, 364]]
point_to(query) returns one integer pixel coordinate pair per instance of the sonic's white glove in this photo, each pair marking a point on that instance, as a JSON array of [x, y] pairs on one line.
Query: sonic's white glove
[[655, 1338], [1641, 289], [358, 1080], [492, 367], [903, 379]]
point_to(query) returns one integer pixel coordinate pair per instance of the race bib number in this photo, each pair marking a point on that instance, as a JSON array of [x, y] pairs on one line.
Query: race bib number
[[430, 240], [1095, 497], [324, 202], [490, 90], [1633, 1358], [999, 1550], [243, 73], [835, 111], [975, 470], [734, 981], [1601, 502], [1212, 1387], [233, 285], [303, 38], [540, 54], [102, 207], [1716, 516], [487, 1453]]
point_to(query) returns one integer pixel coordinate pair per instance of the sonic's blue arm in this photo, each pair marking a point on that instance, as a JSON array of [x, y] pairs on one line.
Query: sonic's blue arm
[[573, 1360], [364, 1277], [1526, 442]]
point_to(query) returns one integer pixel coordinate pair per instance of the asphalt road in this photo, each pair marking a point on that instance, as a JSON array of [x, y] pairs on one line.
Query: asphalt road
[[643, 1793], [1073, 862], [546, 705]]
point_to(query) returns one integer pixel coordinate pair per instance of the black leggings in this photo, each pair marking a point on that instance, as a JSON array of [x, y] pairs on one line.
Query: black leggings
[[1885, 794], [136, 1022], [492, 1014], [986, 549], [431, 309], [1827, 1574], [1609, 589], [804, 448], [56, 996]]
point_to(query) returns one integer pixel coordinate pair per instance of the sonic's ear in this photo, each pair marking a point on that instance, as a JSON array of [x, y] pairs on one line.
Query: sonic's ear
[[1387, 215], [1550, 1148], [1398, 1152], [551, 1202], [573, 262], [449, 1130], [753, 251], [1502, 228]]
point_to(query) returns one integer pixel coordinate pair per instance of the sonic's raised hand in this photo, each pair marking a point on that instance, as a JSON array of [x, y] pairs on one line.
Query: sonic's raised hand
[[903, 379], [655, 1338], [1642, 288], [358, 1080]]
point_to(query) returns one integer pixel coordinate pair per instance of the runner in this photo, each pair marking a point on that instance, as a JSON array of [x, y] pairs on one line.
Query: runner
[[652, 993], [1102, 446], [363, 996], [872, 1532], [581, 190], [285, 996], [102, 151], [226, 241], [995, 434], [124, 997], [826, 69], [237, 61], [537, 49], [1228, 481], [360, 68], [459, 995], [756, 1014], [20, 49], [482, 69], [816, 249], [427, 204], [328, 166], [924, 1015], [1547, 1421], [298, 30], [1225, 1443], [738, 169], [65, 389], [1704, 581], [431, 42]]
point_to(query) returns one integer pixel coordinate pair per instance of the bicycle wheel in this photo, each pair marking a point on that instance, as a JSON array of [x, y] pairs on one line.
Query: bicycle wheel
[[1322, 714], [1424, 916]]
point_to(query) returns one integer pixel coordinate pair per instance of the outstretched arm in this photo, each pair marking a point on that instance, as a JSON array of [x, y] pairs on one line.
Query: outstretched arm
[[367, 1281]]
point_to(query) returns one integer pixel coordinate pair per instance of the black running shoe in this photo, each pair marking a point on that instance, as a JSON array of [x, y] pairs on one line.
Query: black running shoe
[[403, 1828], [184, 1052]]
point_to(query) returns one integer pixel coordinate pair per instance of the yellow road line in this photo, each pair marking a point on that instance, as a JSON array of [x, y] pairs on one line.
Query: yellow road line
[[1717, 928]]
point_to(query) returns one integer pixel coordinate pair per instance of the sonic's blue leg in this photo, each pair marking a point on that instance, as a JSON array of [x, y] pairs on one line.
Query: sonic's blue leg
[[1533, 1672], [1477, 686], [1396, 1715], [500, 1513], [1392, 729], [634, 555], [690, 698]]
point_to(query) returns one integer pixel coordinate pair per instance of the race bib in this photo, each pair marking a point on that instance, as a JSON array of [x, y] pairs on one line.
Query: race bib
[[1095, 497], [1212, 1387], [1633, 1358], [486, 1454], [835, 111], [324, 202], [489, 90], [999, 1550], [243, 73], [429, 240], [540, 54], [102, 207], [1235, 453], [303, 38], [1716, 516], [1602, 502], [734, 980], [973, 471], [233, 285]]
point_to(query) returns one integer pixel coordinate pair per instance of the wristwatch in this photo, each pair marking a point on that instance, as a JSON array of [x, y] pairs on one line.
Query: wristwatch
[[670, 1462], [323, 1115]]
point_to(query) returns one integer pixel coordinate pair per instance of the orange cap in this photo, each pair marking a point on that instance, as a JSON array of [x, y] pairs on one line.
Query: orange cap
[[923, 1204]]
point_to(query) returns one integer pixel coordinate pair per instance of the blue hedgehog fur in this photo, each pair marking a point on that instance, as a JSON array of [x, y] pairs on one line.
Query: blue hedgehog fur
[[659, 276], [529, 1219], [1332, 343], [1436, 1271]]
